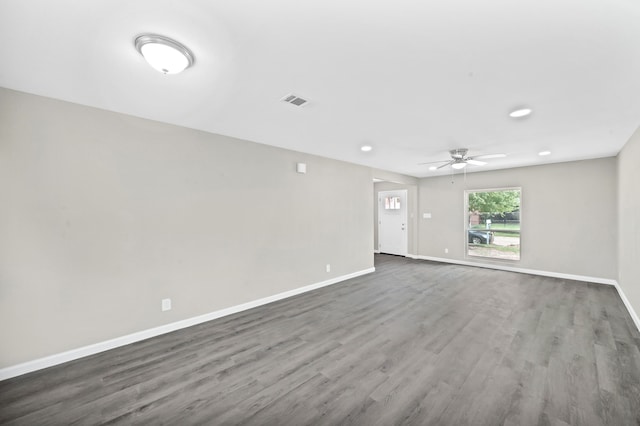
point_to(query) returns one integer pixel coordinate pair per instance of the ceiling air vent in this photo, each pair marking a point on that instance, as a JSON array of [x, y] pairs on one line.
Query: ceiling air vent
[[294, 100]]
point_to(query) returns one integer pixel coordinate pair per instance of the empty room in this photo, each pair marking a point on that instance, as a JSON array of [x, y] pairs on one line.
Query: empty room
[[320, 213]]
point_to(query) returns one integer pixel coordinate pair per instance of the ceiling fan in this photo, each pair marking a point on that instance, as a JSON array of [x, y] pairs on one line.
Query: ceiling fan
[[459, 159]]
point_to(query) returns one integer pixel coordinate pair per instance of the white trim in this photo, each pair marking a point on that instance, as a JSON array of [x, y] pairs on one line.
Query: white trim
[[585, 278], [376, 252], [49, 361], [627, 304]]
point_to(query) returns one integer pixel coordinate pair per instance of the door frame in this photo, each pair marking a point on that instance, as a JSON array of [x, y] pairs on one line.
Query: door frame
[[405, 235]]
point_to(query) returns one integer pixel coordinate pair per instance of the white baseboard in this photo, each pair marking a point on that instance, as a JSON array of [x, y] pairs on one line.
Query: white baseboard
[[585, 278], [56, 359], [627, 304], [376, 252]]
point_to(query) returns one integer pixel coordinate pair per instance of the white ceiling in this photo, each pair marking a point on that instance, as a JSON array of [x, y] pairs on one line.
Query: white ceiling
[[413, 79]]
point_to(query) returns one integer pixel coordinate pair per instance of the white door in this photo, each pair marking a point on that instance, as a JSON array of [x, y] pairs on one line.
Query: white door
[[392, 222]]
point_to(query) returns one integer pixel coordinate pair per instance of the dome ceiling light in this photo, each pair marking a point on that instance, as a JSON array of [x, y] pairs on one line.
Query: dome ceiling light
[[164, 54]]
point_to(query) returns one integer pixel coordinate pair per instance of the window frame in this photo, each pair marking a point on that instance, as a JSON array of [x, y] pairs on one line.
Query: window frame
[[466, 228]]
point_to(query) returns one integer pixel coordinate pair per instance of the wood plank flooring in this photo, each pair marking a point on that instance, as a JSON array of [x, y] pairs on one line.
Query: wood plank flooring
[[416, 343]]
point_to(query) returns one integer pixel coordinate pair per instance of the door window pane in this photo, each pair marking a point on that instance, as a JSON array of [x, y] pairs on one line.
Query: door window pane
[[392, 203]]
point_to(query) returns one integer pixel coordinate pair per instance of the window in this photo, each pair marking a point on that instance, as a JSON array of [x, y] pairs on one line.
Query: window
[[392, 203], [493, 223]]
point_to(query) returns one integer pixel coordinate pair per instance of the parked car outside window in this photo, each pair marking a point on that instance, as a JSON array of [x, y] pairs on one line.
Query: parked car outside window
[[477, 236]]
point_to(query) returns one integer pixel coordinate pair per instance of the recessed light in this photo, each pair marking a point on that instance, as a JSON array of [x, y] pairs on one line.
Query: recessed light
[[164, 54], [543, 153], [366, 148], [520, 112]]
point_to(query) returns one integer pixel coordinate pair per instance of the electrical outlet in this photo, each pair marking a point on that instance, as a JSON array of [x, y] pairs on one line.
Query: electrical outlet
[[166, 305], [446, 250], [328, 267]]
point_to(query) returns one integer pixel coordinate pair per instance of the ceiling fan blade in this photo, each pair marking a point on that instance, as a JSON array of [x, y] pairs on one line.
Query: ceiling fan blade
[[487, 156], [433, 162], [476, 162], [446, 164]]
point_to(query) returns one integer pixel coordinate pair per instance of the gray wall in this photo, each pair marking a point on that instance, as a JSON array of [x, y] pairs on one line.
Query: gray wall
[[104, 215], [569, 216], [629, 220]]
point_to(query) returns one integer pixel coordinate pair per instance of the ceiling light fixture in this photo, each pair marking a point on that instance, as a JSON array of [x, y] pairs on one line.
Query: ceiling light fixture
[[366, 148], [543, 153], [164, 54], [433, 168], [520, 112], [458, 166]]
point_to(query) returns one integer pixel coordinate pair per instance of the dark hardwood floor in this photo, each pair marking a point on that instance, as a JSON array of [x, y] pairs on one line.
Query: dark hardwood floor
[[416, 342]]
